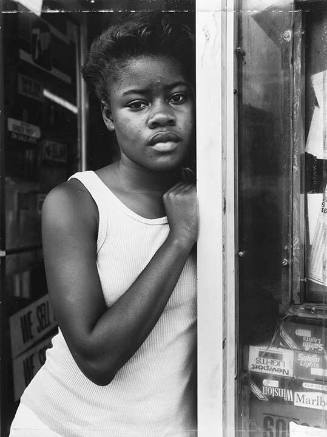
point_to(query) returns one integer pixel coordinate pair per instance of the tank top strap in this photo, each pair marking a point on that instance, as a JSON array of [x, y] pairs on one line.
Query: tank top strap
[[99, 194]]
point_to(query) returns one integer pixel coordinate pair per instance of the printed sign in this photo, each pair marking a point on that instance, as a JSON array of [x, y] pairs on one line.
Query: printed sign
[[317, 217], [271, 389], [309, 366], [279, 426], [30, 324], [26, 366], [30, 87], [52, 151], [275, 426], [313, 386], [322, 373], [22, 131], [288, 392], [317, 271], [311, 340], [283, 393], [305, 337], [314, 400], [271, 360], [272, 419], [306, 431]]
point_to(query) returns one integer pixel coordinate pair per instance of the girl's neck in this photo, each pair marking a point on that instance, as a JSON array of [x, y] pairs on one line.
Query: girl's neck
[[137, 179]]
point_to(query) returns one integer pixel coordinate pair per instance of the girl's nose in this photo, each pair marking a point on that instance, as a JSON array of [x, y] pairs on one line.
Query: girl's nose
[[161, 115]]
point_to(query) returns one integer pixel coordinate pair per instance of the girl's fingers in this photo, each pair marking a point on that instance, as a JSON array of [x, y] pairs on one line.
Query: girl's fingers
[[176, 188], [186, 188], [173, 187], [189, 187], [180, 188]]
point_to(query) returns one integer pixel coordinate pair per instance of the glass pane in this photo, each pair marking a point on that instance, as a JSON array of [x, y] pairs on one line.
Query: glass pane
[[41, 151], [316, 151], [282, 242], [30, 323]]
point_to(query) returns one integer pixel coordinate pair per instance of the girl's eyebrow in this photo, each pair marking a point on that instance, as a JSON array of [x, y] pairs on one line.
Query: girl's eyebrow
[[146, 90], [176, 84], [135, 91]]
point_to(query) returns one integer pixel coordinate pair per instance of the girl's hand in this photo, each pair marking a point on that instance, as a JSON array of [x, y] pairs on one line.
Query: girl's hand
[[181, 207]]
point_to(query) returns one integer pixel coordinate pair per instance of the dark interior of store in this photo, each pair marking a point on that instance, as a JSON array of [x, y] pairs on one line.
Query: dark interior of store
[[41, 130], [51, 126]]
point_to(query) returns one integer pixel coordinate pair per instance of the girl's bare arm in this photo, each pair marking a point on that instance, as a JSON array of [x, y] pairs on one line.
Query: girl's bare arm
[[102, 339]]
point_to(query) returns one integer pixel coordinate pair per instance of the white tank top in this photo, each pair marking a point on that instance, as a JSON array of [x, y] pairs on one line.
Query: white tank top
[[153, 394]]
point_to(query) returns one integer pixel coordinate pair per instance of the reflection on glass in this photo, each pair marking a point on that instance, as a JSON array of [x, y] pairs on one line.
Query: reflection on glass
[[40, 150], [282, 219]]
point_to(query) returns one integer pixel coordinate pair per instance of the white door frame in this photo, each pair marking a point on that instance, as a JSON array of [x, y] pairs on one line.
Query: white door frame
[[215, 48]]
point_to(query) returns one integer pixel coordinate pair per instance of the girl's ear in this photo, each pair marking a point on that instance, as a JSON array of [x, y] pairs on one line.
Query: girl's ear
[[107, 116]]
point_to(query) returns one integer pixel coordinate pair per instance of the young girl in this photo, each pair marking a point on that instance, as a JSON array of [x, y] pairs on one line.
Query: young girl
[[118, 254]]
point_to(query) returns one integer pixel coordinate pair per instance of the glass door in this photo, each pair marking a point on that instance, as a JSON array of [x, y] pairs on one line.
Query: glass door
[[282, 250], [39, 149]]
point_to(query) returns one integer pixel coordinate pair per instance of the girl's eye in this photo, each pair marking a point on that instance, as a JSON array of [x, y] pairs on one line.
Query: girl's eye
[[137, 105], [178, 98]]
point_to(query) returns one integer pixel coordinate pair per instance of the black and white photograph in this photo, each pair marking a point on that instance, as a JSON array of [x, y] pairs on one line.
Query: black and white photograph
[[163, 218]]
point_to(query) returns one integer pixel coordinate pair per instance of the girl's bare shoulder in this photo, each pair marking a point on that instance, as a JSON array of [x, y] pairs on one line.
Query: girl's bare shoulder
[[69, 205]]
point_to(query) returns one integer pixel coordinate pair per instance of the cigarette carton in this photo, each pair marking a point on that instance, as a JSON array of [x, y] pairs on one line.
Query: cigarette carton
[[272, 388], [273, 418], [306, 335], [310, 366], [271, 361]]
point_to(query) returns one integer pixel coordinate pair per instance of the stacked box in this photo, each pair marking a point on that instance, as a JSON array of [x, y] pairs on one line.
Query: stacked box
[[271, 361], [305, 335], [271, 388], [272, 419], [286, 386], [310, 366], [290, 391]]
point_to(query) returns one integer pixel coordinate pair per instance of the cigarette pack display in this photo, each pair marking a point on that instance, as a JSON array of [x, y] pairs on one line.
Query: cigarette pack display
[[271, 361], [307, 335], [310, 366], [276, 402], [291, 391], [272, 388], [273, 419]]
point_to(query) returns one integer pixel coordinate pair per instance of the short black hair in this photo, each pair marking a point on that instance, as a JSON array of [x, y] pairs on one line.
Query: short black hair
[[139, 34]]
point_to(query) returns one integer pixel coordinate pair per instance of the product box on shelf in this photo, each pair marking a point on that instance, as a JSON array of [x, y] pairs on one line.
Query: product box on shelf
[[271, 361], [273, 419], [309, 335], [310, 366], [291, 391], [276, 401], [271, 388], [287, 363]]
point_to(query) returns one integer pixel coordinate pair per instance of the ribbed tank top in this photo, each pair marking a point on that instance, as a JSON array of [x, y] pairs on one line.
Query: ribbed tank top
[[153, 394]]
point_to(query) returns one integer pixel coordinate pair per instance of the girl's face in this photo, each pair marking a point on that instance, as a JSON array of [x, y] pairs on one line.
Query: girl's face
[[152, 113]]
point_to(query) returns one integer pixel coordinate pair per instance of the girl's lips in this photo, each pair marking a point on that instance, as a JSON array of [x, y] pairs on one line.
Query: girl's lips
[[164, 137], [167, 146]]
